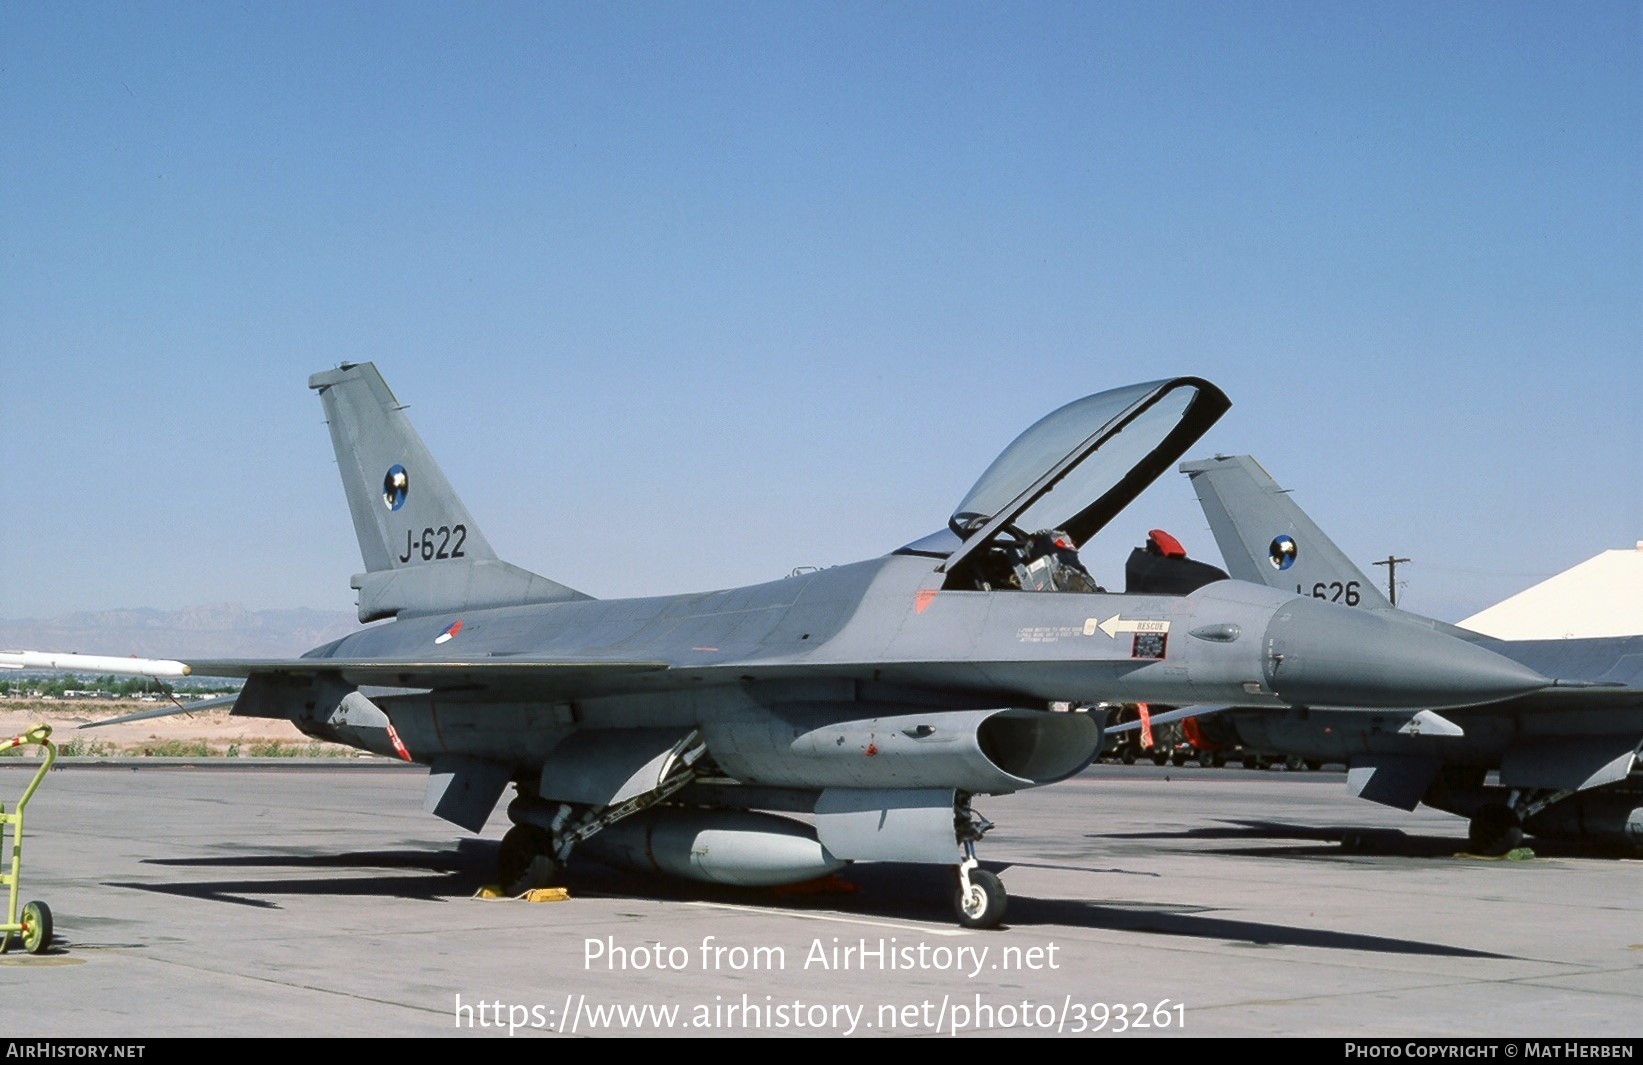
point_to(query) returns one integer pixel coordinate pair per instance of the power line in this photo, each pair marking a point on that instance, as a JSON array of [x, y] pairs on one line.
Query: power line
[[1391, 564]]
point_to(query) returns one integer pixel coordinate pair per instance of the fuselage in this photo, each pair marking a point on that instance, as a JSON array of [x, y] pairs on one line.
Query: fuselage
[[883, 634], [1609, 709]]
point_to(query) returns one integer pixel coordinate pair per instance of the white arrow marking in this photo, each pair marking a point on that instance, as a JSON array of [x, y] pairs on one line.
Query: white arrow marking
[[1117, 624]]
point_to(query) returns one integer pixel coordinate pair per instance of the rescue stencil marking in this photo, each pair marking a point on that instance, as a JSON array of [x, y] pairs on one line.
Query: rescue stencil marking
[[1148, 645], [1118, 623], [1045, 633]]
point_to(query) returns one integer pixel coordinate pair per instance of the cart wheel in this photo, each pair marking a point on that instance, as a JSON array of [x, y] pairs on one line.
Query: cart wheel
[[36, 927]]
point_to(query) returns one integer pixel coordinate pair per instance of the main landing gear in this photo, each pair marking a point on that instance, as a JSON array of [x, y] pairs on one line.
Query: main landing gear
[[534, 851], [1495, 830], [526, 860], [1497, 827]]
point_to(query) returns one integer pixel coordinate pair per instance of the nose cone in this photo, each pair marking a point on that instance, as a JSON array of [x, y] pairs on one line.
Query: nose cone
[[1320, 654]]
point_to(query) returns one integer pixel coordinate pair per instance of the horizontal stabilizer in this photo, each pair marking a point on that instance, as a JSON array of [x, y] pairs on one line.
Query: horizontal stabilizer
[[1568, 763], [472, 585], [1564, 697], [216, 703], [1167, 716]]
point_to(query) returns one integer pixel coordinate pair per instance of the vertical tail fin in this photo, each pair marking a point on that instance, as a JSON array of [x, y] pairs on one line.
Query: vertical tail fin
[[423, 552], [1265, 538], [395, 489]]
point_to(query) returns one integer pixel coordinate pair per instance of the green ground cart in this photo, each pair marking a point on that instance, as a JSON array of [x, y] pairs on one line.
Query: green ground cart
[[34, 923]]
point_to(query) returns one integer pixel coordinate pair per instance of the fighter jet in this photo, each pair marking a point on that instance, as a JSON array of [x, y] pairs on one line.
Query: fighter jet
[[876, 700], [1565, 758]]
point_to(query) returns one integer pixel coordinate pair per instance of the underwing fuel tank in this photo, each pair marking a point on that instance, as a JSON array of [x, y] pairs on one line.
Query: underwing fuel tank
[[1319, 654], [1614, 817], [737, 847], [864, 745]]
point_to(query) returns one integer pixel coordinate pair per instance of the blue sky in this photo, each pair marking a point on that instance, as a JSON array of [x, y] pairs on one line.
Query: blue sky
[[686, 295]]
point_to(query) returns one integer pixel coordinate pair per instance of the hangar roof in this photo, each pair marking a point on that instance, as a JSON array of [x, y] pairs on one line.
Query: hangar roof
[[1602, 596]]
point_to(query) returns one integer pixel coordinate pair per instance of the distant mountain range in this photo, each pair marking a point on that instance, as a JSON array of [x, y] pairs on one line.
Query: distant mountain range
[[220, 630]]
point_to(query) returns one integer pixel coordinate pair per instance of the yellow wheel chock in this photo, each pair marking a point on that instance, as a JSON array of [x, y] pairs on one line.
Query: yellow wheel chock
[[34, 923]]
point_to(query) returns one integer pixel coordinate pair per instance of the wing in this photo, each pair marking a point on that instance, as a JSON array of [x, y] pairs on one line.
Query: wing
[[217, 703], [549, 676], [541, 677], [1168, 716]]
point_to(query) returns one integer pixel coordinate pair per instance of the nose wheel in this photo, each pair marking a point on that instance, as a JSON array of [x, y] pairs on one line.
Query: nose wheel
[[980, 899]]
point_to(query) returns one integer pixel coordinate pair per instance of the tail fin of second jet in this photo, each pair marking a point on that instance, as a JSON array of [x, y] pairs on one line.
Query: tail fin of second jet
[[1264, 537], [423, 551]]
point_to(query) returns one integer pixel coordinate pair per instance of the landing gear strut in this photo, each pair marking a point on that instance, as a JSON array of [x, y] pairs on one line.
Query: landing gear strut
[[535, 850], [1495, 830], [980, 899], [525, 860]]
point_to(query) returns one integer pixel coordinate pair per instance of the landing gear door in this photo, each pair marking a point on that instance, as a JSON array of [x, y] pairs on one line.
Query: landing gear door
[[891, 825], [610, 766]]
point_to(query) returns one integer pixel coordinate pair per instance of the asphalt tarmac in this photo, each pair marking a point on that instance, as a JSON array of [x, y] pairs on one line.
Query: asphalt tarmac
[[215, 900]]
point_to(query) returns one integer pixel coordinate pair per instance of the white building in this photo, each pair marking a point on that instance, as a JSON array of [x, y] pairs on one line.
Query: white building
[[1602, 596]]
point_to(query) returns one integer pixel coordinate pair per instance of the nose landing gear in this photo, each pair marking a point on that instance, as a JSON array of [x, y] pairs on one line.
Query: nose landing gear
[[980, 899]]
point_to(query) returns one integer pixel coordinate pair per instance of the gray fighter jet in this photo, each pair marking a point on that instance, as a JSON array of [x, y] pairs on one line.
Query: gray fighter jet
[[877, 700], [1565, 758]]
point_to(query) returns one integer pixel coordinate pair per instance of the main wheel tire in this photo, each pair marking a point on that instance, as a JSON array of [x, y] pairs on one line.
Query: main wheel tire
[[1494, 830], [1159, 756], [525, 860], [983, 905], [36, 927], [1128, 757]]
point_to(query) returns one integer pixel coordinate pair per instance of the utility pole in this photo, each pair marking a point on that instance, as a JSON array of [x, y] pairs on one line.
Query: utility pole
[[1391, 565]]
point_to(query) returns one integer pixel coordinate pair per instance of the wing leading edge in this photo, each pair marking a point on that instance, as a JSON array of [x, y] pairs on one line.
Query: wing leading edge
[[546, 677]]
